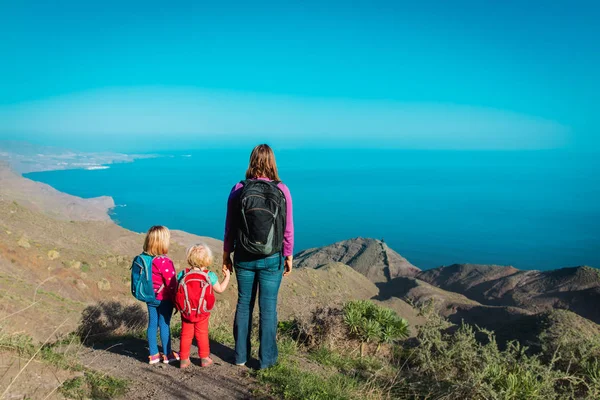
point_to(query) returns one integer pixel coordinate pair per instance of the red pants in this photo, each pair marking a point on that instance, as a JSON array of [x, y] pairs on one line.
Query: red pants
[[189, 330]]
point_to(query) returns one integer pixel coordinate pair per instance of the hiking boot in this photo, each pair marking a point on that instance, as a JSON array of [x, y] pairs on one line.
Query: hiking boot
[[155, 359], [171, 358], [206, 362], [185, 363]]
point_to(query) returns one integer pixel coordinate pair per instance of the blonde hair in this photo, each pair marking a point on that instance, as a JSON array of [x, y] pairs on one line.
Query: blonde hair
[[157, 240], [199, 256], [262, 163]]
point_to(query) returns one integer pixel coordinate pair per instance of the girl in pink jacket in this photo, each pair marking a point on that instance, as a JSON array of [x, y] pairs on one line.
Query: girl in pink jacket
[[165, 285]]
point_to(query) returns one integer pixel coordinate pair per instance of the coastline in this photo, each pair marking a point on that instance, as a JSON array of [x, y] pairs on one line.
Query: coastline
[[23, 158], [45, 198], [428, 243]]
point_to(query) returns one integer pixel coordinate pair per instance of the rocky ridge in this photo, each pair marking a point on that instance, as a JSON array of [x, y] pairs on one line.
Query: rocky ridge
[[371, 257]]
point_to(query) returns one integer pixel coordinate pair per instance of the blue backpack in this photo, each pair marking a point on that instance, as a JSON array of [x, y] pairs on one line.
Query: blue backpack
[[141, 279]]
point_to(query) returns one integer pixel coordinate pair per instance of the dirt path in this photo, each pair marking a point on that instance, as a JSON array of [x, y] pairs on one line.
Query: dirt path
[[128, 359]]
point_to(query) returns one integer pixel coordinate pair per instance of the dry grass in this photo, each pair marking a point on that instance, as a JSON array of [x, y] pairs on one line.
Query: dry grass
[[41, 368]]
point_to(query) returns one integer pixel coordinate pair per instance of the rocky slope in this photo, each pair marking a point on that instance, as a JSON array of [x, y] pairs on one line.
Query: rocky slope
[[576, 289], [491, 296], [371, 257]]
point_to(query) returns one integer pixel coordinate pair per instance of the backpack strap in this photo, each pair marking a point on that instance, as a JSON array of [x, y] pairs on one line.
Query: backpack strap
[[243, 183], [201, 302], [145, 265], [187, 299]]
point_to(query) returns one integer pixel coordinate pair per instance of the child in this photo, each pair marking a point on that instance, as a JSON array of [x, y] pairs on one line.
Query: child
[[165, 285], [199, 257]]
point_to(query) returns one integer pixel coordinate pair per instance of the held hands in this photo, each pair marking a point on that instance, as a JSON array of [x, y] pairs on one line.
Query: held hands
[[220, 287], [287, 265], [227, 264]]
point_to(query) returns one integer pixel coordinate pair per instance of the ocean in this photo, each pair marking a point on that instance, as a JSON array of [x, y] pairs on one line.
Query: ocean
[[531, 210]]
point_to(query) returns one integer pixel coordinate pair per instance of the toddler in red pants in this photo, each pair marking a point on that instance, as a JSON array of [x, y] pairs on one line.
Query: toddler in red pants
[[194, 300]]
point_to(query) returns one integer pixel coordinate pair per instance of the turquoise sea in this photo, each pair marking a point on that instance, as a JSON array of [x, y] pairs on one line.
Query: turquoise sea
[[532, 210]]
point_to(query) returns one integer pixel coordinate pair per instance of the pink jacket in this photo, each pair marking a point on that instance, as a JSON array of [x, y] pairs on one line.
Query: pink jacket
[[163, 275]]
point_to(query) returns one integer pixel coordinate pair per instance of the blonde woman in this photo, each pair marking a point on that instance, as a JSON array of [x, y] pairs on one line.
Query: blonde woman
[[165, 285], [260, 229]]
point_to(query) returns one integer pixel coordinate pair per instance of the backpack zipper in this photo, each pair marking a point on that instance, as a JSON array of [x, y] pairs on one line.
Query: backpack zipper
[[260, 209]]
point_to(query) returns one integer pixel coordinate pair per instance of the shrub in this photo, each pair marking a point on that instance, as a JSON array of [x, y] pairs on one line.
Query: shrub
[[454, 364], [110, 319], [371, 323]]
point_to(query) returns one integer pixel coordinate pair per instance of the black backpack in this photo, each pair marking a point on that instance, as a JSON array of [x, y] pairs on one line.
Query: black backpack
[[261, 219]]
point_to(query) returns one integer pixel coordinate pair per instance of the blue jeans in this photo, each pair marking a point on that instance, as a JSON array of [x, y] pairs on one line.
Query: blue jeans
[[263, 275], [160, 318]]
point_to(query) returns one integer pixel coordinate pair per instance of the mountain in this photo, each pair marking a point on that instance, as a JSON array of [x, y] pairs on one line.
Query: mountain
[[576, 289], [490, 296], [371, 257]]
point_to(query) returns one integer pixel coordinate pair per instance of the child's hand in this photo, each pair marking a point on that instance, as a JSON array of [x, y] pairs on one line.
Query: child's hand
[[220, 287], [227, 263]]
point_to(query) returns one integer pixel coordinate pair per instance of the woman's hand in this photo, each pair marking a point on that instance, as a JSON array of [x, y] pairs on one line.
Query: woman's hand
[[287, 265], [227, 264]]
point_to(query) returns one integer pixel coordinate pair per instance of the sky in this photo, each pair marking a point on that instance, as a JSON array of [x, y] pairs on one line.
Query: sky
[[474, 75]]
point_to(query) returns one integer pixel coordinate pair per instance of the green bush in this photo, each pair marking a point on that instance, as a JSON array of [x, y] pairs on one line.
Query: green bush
[[371, 323]]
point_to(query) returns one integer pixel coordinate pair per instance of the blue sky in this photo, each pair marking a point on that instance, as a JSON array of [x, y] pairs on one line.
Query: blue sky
[[433, 75]]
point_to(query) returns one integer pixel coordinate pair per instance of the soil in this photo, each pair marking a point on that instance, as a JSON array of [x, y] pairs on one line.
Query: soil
[[37, 381], [128, 360]]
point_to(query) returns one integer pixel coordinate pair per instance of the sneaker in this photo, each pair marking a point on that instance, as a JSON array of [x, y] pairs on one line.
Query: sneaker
[[172, 357], [155, 359], [206, 362], [185, 363]]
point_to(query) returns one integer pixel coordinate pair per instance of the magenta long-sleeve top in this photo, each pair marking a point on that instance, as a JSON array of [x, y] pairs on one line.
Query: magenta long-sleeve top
[[288, 235]]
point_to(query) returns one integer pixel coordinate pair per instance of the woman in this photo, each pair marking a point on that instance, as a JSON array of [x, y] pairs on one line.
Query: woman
[[260, 229]]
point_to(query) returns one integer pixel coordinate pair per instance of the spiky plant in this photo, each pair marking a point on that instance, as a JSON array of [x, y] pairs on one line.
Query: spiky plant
[[353, 318]]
